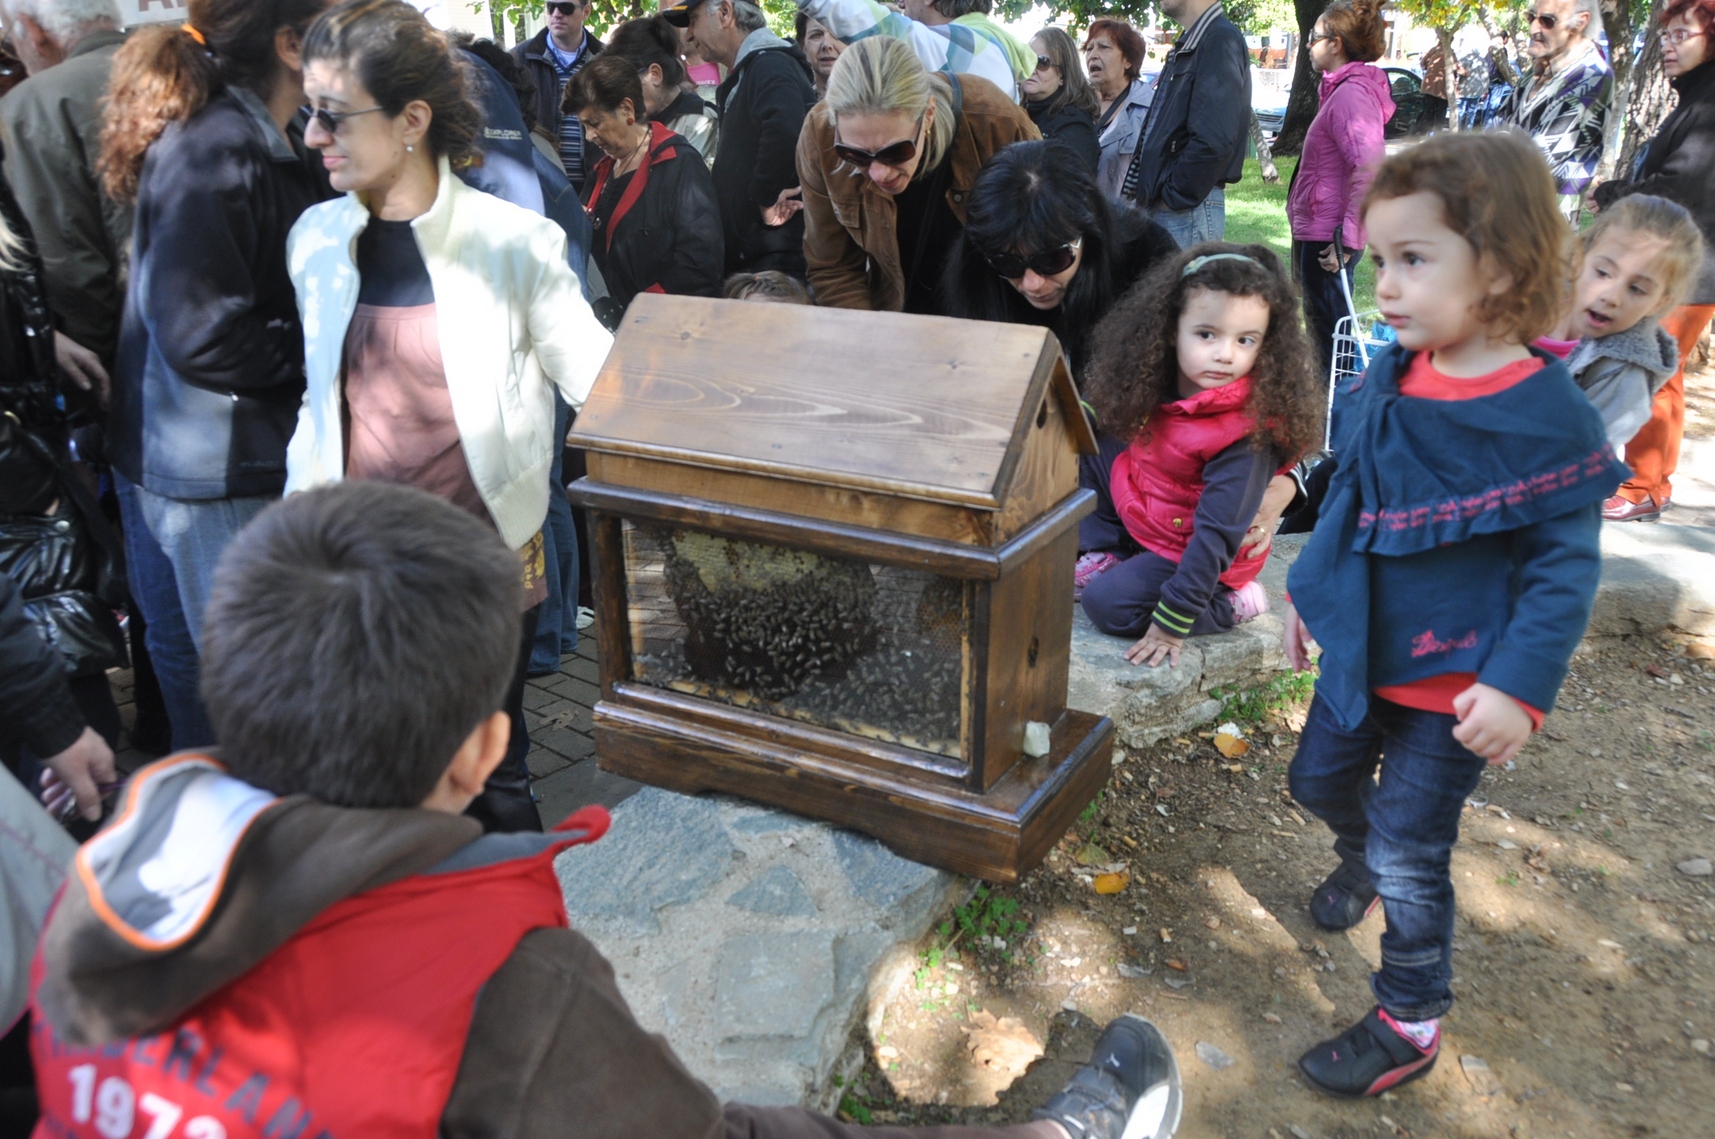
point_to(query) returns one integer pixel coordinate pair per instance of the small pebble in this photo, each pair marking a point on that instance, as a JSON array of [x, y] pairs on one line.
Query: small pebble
[[1274, 1018], [1701, 1047], [1298, 1132], [1213, 1056], [1696, 868]]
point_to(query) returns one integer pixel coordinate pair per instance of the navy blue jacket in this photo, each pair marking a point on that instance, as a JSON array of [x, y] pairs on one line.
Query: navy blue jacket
[[1198, 121], [1456, 536]]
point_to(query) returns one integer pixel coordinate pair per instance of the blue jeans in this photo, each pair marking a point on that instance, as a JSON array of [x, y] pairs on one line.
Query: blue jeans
[[1206, 221], [557, 629], [1401, 827], [172, 652]]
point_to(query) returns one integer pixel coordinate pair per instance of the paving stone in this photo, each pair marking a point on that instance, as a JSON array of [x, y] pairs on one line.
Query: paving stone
[[537, 698], [773, 985], [776, 891], [565, 742], [585, 670], [578, 785], [543, 762], [671, 851], [880, 877]]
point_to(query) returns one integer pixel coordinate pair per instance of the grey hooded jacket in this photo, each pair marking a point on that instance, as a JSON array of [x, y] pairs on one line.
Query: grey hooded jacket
[[1621, 373]]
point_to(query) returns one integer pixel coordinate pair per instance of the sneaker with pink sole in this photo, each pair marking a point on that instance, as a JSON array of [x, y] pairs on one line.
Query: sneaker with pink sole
[[1089, 565], [1250, 601]]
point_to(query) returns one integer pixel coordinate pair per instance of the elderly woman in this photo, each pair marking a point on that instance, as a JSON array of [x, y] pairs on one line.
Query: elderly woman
[[887, 162], [1058, 98], [669, 97], [820, 46], [651, 200], [1042, 245], [1113, 54], [438, 320]]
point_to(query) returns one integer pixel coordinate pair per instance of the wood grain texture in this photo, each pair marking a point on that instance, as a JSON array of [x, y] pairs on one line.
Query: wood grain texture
[[607, 584], [804, 500], [1029, 648], [1046, 470], [923, 407], [998, 836]]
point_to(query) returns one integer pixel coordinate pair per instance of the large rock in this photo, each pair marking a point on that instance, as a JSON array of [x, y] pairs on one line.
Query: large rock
[[754, 940]]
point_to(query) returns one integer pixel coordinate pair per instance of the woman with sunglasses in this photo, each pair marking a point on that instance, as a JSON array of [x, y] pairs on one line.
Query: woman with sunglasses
[[1678, 164], [199, 134], [437, 320], [1043, 245], [651, 199], [1341, 151], [1058, 98], [887, 162]]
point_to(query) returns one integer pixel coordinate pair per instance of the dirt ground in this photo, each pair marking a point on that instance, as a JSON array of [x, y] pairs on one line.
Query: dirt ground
[[1584, 957]]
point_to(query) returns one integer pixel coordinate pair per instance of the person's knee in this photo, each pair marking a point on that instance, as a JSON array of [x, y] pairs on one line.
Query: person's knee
[[1107, 604]]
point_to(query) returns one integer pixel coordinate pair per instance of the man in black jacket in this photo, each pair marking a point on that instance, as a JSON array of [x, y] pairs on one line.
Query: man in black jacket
[[762, 103], [550, 58], [1194, 137]]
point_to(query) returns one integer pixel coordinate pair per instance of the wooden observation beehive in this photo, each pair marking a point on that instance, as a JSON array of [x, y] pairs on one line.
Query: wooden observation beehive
[[834, 558]]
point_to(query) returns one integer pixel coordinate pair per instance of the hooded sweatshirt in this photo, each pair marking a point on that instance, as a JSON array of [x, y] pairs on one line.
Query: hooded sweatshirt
[[1341, 151], [279, 966], [1620, 374]]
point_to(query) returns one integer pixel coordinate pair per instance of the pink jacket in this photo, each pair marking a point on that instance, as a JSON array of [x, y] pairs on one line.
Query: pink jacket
[[1340, 155]]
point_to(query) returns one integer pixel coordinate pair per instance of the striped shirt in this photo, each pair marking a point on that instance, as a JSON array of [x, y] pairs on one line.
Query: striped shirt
[[571, 128]]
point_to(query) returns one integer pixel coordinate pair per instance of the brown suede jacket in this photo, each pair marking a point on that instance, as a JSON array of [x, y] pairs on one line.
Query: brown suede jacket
[[849, 239]]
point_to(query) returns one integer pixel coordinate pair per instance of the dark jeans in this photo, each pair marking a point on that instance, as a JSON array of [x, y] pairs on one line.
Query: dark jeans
[[557, 630], [172, 651], [1102, 529], [506, 803], [1324, 303], [1401, 827]]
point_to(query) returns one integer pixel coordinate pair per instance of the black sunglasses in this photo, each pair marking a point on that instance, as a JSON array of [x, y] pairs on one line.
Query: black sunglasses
[[563, 9], [330, 120], [1043, 63], [1547, 20], [1012, 266], [894, 154]]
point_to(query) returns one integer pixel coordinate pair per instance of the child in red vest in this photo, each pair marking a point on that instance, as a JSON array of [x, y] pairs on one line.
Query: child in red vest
[[1452, 569], [302, 937], [1203, 370]]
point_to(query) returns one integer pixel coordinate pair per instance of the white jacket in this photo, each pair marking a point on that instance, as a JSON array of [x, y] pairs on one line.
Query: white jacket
[[512, 320]]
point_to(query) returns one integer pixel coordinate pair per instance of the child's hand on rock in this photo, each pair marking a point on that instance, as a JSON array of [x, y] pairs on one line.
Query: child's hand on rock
[[1155, 647], [1491, 723]]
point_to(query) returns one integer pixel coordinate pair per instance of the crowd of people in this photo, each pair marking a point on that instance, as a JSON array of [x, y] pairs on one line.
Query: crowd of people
[[298, 301]]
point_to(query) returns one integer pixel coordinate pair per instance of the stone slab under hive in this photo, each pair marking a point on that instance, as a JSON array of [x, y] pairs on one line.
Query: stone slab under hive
[[871, 650]]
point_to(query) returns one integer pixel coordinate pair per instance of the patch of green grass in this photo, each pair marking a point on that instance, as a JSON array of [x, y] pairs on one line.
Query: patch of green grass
[[1259, 704], [1256, 212]]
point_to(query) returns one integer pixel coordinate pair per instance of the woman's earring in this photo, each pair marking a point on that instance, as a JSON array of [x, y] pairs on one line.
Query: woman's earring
[[409, 149]]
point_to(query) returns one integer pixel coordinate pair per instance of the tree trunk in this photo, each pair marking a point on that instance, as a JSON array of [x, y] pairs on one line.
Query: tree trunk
[[1301, 107], [1449, 77], [1647, 104], [1264, 157], [1498, 44], [1617, 23]]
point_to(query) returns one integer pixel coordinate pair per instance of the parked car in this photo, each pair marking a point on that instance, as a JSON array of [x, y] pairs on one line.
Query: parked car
[[1405, 83]]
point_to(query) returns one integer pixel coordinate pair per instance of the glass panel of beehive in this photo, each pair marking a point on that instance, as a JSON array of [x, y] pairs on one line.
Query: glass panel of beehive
[[875, 651]]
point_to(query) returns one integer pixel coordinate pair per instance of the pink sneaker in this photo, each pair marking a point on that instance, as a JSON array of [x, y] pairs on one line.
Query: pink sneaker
[[1089, 565], [1249, 601]]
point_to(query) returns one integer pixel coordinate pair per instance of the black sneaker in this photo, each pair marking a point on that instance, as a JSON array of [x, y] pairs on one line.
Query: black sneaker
[[1368, 1059], [1129, 1090], [1345, 897]]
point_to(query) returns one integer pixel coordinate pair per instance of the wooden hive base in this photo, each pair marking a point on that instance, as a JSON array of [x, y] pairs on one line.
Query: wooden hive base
[[998, 835]]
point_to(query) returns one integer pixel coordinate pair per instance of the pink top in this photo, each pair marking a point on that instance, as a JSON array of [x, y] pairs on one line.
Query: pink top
[[1560, 348]]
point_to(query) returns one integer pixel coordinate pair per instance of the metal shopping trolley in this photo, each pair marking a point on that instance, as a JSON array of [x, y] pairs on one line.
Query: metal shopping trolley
[[1357, 337]]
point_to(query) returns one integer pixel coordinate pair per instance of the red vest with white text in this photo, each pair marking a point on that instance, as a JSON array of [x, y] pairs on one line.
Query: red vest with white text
[[353, 1029]]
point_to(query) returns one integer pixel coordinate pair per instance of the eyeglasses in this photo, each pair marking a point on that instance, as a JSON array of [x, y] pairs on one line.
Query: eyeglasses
[[1012, 266], [1677, 37], [1546, 19], [1318, 37], [894, 154], [330, 120], [564, 9], [1043, 63]]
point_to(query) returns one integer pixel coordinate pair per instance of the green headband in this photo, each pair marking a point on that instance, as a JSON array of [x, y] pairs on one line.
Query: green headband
[[1197, 263]]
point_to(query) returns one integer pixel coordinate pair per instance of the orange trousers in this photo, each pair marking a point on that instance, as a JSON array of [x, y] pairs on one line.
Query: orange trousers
[[1653, 453]]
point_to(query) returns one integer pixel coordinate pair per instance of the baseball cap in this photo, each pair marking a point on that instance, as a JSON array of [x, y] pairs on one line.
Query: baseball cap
[[679, 15]]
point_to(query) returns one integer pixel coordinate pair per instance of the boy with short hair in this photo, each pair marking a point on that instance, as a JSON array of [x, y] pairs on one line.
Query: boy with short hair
[[301, 936]]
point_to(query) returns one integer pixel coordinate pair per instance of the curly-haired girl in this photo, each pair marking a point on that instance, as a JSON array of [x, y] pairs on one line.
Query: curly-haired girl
[[1203, 387]]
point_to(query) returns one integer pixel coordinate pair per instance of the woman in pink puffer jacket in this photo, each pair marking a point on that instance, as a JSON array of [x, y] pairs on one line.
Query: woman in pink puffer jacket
[[1340, 154]]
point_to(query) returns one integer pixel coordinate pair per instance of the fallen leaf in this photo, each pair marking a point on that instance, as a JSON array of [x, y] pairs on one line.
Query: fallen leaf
[[1112, 883], [1175, 963], [1002, 1045], [1091, 855], [1231, 746], [1657, 671]]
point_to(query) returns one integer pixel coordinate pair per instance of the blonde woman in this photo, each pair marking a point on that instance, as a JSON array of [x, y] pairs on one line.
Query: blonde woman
[[887, 161]]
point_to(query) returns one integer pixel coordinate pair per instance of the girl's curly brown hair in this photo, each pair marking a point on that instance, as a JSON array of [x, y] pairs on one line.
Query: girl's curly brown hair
[[1135, 365]]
